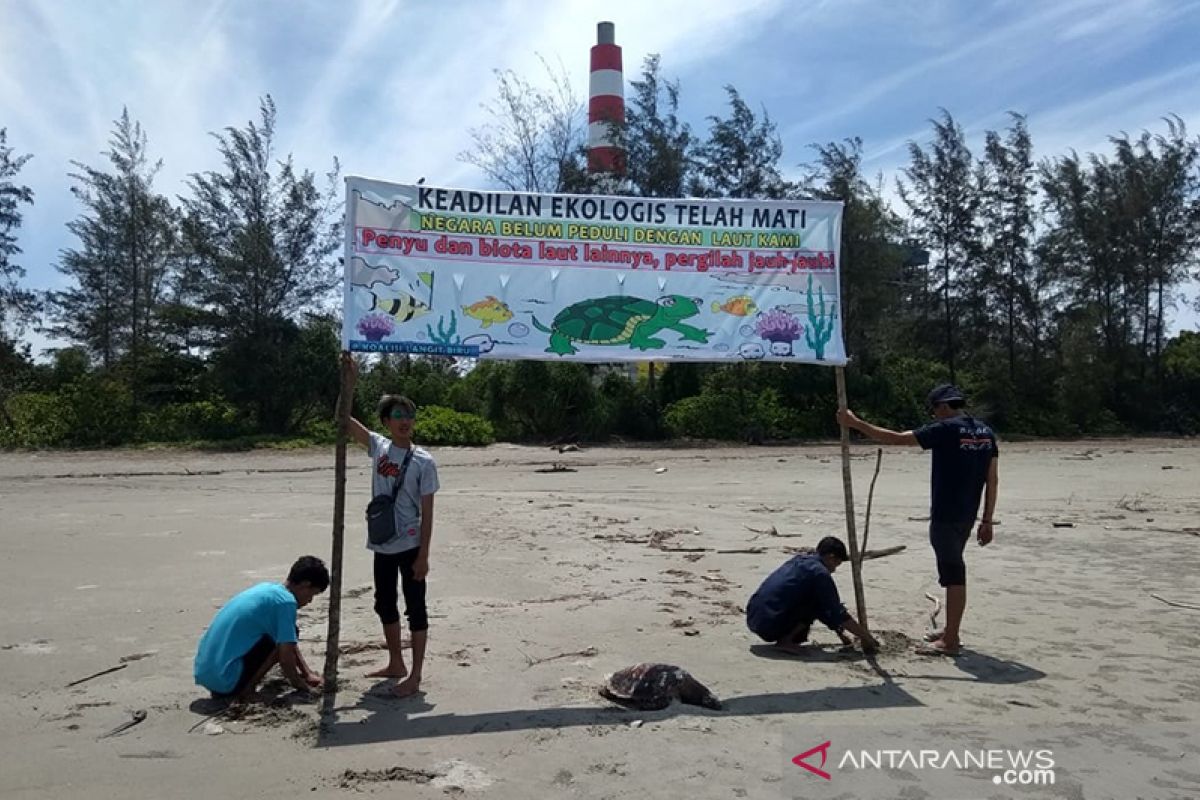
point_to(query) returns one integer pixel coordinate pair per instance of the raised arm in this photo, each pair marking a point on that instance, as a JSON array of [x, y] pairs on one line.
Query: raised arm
[[358, 431], [847, 418]]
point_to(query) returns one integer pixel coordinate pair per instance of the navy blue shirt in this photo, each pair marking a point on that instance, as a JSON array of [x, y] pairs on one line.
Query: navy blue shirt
[[963, 449], [801, 590]]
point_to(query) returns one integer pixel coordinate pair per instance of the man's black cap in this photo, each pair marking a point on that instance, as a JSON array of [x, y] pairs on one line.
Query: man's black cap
[[946, 393]]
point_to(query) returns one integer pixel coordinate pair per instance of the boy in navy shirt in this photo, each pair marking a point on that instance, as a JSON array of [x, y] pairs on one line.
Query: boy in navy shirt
[[964, 465], [800, 592]]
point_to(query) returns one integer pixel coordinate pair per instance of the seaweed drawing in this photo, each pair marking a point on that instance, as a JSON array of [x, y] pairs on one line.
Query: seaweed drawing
[[820, 326], [444, 335]]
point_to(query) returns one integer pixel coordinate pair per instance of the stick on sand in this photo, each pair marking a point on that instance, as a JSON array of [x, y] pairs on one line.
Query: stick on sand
[[95, 675], [871, 497], [1173, 603]]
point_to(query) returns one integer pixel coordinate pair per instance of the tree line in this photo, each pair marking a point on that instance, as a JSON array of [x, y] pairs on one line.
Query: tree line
[[1045, 287]]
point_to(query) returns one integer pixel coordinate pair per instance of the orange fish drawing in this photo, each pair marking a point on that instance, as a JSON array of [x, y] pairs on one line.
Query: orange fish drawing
[[740, 306], [488, 310]]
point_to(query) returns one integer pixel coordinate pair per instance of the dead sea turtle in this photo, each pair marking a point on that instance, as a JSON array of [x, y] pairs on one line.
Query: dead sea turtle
[[617, 320], [650, 687]]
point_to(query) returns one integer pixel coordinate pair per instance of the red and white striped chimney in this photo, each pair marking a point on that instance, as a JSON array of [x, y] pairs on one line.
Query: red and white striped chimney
[[606, 102]]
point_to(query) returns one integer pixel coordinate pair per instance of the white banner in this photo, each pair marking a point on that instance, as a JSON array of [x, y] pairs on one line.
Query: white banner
[[590, 278]]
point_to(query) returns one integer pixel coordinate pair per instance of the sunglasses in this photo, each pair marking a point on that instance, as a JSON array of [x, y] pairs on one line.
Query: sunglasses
[[402, 413]]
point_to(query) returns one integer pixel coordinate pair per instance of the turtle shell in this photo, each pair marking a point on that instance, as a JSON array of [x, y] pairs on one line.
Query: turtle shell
[[655, 686], [603, 319]]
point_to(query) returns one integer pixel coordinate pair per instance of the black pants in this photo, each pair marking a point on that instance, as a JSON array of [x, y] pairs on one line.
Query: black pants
[[949, 539], [386, 568]]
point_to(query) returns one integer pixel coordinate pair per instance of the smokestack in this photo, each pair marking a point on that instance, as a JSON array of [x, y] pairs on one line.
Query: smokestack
[[606, 102]]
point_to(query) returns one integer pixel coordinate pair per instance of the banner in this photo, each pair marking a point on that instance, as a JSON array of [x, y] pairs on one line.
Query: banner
[[590, 278]]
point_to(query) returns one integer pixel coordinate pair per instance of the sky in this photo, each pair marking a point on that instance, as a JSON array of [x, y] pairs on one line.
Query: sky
[[392, 88]]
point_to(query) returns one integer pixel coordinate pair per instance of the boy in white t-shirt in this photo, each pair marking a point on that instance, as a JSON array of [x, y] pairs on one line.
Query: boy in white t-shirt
[[407, 553]]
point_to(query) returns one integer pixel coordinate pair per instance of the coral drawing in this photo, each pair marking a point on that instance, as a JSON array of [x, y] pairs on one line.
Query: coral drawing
[[374, 327], [780, 329], [820, 328]]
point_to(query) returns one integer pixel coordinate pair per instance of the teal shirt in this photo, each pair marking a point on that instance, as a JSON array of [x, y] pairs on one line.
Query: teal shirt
[[267, 609]]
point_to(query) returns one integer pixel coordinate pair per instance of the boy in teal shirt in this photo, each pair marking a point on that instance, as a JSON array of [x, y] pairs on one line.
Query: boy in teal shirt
[[257, 629]]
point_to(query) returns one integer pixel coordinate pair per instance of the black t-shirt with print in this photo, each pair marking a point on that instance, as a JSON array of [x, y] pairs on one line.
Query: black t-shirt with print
[[963, 448]]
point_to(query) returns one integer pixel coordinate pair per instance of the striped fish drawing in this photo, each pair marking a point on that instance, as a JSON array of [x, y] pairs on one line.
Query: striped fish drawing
[[406, 306], [403, 308]]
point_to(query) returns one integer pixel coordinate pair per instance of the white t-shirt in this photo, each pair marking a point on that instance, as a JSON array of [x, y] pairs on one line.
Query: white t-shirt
[[420, 480]]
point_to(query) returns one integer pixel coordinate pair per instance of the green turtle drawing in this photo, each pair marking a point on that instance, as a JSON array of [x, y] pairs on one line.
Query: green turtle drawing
[[616, 320]]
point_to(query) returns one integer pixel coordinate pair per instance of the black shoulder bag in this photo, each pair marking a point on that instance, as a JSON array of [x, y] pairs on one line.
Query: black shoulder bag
[[381, 511]]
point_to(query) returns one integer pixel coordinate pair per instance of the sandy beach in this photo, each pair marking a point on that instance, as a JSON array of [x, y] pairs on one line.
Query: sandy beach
[[543, 581]]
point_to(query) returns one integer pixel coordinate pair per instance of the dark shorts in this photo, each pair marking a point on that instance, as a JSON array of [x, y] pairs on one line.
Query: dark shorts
[[949, 539], [388, 567], [252, 662], [777, 628]]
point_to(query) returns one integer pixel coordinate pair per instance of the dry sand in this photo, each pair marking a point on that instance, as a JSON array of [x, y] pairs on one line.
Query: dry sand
[[543, 582]]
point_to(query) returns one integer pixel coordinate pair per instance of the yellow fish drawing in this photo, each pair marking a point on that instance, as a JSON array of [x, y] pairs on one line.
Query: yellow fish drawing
[[488, 310], [740, 306]]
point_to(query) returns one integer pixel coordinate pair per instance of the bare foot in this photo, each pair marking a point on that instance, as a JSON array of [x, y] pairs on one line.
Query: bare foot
[[407, 687], [940, 647], [392, 670], [791, 648]]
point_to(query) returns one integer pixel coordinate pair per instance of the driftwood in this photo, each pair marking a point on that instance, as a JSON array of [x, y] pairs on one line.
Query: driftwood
[[773, 531], [866, 556], [871, 497], [1186, 531], [557, 466], [136, 718], [718, 550], [887, 551], [1175, 604], [587, 652], [937, 609], [95, 675]]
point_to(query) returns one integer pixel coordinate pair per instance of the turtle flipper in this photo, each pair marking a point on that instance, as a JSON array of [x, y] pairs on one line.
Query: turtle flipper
[[691, 333], [695, 693], [641, 340], [560, 345]]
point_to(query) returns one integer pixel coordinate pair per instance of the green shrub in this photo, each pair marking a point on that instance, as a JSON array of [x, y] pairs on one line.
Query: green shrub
[[733, 415], [179, 422], [445, 426], [38, 419], [102, 412]]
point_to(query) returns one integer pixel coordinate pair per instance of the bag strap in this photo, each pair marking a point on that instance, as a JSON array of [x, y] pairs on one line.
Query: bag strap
[[403, 472]]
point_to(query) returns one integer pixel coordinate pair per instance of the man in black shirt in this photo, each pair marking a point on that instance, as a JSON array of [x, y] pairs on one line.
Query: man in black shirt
[[964, 463]]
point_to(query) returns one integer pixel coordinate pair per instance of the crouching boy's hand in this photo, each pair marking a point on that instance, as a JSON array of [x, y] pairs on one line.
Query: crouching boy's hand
[[869, 645]]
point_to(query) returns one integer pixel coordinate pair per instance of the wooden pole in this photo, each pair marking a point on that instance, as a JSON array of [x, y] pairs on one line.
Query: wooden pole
[[344, 404], [848, 492]]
